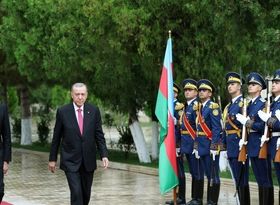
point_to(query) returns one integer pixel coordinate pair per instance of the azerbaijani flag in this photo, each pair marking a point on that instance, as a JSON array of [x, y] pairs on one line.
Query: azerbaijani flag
[[168, 178]]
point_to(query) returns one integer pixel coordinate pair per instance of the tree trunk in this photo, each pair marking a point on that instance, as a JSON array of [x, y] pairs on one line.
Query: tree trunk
[[140, 143], [26, 123], [155, 134]]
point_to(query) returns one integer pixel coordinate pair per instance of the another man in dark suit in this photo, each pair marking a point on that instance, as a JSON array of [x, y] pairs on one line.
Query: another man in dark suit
[[5, 146], [78, 129]]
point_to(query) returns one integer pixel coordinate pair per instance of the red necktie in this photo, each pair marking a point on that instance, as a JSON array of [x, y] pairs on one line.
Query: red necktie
[[80, 120]]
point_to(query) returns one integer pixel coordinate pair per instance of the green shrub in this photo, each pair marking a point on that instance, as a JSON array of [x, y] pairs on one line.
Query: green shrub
[[125, 142]]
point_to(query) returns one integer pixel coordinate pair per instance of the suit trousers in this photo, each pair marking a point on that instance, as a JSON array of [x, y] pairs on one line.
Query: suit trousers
[[80, 183]]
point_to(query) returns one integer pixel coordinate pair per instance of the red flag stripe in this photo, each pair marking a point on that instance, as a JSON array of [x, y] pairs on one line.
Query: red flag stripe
[[163, 85]]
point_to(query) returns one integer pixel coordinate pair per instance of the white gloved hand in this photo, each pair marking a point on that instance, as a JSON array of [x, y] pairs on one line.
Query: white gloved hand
[[241, 143], [175, 121], [278, 143], [264, 116], [223, 161], [277, 114], [214, 153], [195, 152], [263, 140], [178, 152], [241, 118]]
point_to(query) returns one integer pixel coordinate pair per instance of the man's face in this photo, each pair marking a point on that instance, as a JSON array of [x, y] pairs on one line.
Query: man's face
[[233, 88], [254, 88], [275, 87], [204, 94], [79, 95], [190, 94]]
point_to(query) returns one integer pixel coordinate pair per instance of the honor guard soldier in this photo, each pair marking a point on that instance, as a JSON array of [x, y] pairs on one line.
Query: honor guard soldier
[[255, 127], [233, 129], [178, 111], [273, 121], [188, 135], [208, 141]]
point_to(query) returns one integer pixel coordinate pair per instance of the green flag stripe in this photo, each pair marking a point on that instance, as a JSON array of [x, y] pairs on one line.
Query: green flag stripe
[[167, 177], [161, 113]]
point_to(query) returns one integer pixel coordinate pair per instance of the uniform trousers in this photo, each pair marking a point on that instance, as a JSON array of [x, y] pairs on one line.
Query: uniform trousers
[[262, 171], [206, 165], [240, 171]]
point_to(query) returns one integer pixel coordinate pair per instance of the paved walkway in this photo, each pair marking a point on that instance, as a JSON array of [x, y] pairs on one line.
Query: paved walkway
[[30, 183]]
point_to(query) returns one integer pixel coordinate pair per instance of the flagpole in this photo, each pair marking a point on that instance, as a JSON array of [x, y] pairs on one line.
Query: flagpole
[[175, 188]]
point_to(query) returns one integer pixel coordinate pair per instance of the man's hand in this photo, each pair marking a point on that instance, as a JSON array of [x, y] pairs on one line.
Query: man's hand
[[241, 118], [105, 162], [278, 143], [52, 166], [263, 140], [175, 120], [195, 152], [264, 116], [241, 143], [214, 153], [5, 167]]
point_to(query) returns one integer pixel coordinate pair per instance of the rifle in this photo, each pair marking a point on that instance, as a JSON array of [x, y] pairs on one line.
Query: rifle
[[263, 150], [243, 151]]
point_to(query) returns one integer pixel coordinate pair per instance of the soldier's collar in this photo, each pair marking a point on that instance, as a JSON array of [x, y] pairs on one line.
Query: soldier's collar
[[203, 104], [234, 99], [190, 101], [276, 98], [254, 99]]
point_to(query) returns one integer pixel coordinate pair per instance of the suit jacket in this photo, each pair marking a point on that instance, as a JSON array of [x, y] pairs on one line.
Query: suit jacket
[[76, 148], [5, 140]]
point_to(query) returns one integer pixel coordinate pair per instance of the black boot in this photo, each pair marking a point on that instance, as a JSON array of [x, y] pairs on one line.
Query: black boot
[[192, 192], [270, 199], [179, 201], [197, 191], [214, 193], [244, 195], [182, 191], [260, 195], [265, 192], [208, 191]]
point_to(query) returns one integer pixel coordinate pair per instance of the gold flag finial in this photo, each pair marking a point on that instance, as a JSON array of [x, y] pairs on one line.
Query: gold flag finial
[[169, 32]]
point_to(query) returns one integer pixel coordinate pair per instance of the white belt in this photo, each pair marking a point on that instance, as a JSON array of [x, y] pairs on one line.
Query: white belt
[[275, 134], [252, 131]]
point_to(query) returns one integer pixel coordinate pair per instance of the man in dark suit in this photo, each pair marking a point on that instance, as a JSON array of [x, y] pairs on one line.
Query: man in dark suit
[[78, 129], [5, 146]]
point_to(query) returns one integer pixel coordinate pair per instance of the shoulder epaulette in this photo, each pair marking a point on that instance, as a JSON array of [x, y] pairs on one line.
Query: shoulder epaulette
[[214, 105], [241, 103], [179, 106], [195, 105]]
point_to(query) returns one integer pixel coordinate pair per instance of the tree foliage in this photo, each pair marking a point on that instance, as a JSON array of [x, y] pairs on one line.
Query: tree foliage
[[117, 46]]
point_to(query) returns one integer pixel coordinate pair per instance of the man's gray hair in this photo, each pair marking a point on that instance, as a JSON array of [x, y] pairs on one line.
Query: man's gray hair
[[78, 85]]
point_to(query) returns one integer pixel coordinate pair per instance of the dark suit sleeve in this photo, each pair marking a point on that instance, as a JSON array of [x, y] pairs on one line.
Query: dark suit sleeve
[[99, 135], [56, 137], [6, 135]]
